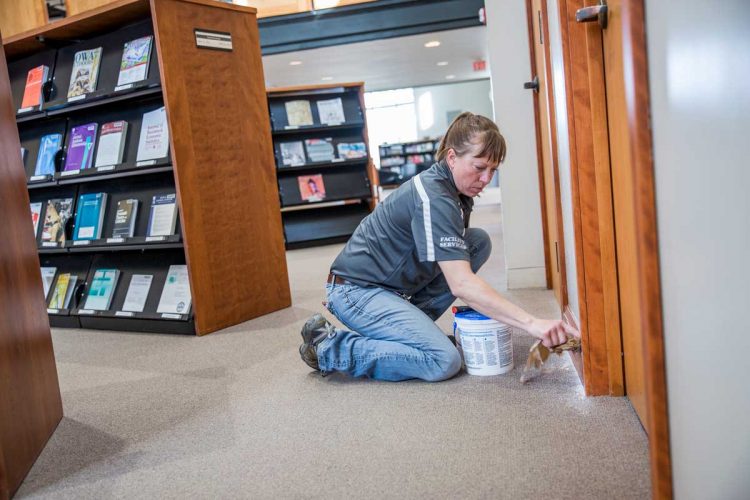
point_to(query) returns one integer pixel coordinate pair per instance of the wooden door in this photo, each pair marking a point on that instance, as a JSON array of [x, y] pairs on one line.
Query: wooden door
[[549, 187]]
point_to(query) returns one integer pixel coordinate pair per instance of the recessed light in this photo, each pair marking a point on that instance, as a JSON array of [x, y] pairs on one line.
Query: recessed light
[[450, 77], [295, 63], [432, 43], [326, 78], [443, 63]]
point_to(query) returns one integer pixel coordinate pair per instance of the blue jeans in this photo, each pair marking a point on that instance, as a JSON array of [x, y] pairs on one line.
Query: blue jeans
[[391, 337]]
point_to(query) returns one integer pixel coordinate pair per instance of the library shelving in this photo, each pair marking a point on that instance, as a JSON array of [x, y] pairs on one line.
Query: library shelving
[[401, 161], [196, 152], [327, 182]]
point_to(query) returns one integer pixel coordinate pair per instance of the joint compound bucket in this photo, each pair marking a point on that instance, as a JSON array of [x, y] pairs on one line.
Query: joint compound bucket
[[486, 344]]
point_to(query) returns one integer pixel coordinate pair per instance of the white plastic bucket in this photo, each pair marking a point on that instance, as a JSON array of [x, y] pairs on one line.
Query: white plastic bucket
[[486, 344]]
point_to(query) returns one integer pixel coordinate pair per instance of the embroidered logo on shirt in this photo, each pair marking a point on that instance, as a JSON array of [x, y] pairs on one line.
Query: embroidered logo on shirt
[[452, 242]]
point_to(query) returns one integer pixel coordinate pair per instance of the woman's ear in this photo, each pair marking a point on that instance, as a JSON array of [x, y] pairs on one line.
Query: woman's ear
[[450, 158]]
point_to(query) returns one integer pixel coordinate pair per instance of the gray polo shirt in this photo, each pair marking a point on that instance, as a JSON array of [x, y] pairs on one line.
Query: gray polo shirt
[[399, 244]]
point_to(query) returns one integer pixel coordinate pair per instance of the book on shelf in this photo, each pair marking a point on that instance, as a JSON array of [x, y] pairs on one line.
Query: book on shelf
[[23, 155], [85, 72], [331, 111], [163, 216], [136, 55], [298, 113], [392, 162], [102, 289], [81, 147], [32, 92], [49, 145], [352, 150], [292, 153], [48, 277], [91, 208], [63, 291], [175, 296], [56, 216], [36, 214], [311, 187], [111, 143], [392, 149], [153, 142], [125, 215], [319, 149], [135, 299]]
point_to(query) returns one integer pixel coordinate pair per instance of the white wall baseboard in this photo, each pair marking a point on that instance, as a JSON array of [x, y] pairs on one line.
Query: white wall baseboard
[[527, 277]]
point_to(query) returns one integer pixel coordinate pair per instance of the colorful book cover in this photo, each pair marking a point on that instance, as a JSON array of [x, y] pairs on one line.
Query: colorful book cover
[[352, 150], [36, 214], [81, 147], [311, 187], [85, 72], [49, 145], [319, 149], [32, 93], [56, 216], [111, 143], [91, 208], [102, 289], [163, 217], [57, 301], [154, 139], [298, 113], [135, 58]]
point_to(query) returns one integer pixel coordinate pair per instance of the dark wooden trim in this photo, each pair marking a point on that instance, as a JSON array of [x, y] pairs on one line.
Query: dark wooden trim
[[539, 155], [638, 105]]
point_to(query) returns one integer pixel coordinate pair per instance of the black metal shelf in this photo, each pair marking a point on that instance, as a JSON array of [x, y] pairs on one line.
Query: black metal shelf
[[328, 202], [134, 243], [101, 174], [317, 128], [322, 164]]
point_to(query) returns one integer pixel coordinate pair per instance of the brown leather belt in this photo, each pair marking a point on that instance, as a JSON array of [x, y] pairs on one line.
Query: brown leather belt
[[336, 280]]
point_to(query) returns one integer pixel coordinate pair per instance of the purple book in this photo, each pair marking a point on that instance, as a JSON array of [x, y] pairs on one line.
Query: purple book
[[81, 147]]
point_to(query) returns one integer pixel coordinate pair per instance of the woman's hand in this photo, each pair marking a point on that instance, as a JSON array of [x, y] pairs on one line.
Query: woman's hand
[[553, 332]]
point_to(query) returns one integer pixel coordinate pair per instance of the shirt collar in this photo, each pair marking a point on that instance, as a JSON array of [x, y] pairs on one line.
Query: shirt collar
[[444, 171]]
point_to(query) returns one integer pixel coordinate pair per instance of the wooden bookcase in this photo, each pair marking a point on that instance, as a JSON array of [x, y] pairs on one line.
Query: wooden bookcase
[[220, 166], [401, 161], [350, 185]]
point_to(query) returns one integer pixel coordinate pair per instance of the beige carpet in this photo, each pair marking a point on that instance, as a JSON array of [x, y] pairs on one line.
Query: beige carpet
[[236, 414]]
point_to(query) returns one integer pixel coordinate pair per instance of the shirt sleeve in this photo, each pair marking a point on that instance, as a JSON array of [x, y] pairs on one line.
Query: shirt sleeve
[[438, 229]]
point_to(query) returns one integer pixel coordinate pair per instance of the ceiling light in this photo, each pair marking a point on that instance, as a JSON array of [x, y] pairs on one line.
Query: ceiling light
[[432, 43], [326, 78], [443, 63], [295, 63], [450, 77]]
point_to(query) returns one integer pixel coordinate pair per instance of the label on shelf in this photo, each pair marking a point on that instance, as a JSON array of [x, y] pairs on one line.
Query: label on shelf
[[334, 124], [79, 243], [85, 311], [291, 127], [145, 163], [24, 110], [68, 173], [53, 311], [115, 240], [35, 178], [170, 316], [48, 244], [125, 314], [105, 169], [124, 87], [336, 160], [77, 98], [155, 238]]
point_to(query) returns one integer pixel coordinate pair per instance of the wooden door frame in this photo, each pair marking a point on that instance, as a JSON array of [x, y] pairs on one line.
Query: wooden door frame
[[594, 224]]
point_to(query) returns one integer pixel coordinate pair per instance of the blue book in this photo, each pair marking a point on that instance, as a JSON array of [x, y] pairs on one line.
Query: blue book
[[49, 145], [102, 289], [91, 208]]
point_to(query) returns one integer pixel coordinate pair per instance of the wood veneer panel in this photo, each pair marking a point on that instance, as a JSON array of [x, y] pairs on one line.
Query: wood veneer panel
[[638, 105], [18, 16], [224, 164], [84, 25], [30, 404]]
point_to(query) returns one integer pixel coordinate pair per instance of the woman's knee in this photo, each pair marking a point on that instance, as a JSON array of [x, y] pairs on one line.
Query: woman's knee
[[480, 246]]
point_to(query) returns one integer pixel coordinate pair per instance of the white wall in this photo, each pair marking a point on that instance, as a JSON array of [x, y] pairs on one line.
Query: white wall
[[699, 72], [434, 102], [508, 46], [563, 155]]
